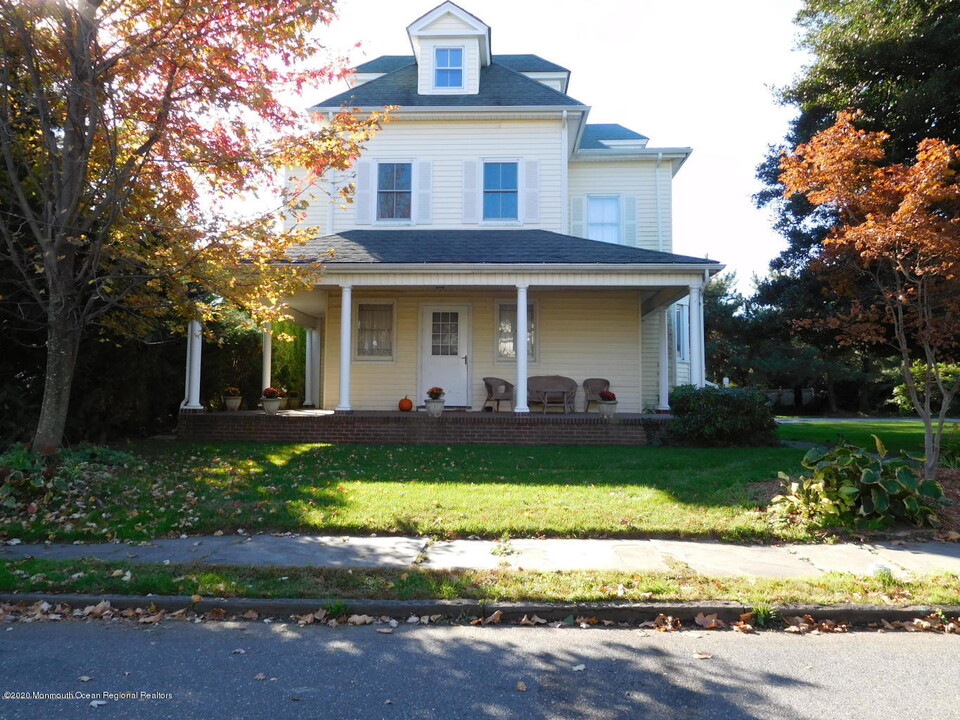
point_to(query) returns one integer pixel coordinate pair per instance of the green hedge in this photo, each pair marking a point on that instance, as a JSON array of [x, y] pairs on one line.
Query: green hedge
[[721, 416]]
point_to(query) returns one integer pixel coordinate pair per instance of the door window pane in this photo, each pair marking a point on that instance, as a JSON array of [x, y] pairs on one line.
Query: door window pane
[[445, 333]]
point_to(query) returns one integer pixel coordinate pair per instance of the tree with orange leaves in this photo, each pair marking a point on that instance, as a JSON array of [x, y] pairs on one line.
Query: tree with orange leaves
[[128, 128], [899, 226]]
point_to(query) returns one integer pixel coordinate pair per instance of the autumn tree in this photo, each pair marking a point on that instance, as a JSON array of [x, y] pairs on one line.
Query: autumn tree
[[894, 252], [127, 127]]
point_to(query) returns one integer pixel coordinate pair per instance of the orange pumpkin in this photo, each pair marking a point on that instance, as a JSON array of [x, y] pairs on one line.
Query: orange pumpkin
[[406, 405]]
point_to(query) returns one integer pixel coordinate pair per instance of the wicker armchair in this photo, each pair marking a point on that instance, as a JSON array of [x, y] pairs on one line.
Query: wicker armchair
[[498, 391], [592, 387]]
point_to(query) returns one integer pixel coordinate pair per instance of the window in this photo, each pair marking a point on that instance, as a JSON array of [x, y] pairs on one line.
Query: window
[[603, 219], [449, 68], [500, 191], [375, 331], [394, 185], [681, 332], [507, 332]]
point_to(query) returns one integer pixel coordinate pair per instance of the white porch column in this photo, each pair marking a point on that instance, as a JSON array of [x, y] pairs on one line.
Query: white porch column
[[318, 361], [696, 336], [663, 368], [520, 343], [308, 379], [266, 371], [346, 352], [192, 399]]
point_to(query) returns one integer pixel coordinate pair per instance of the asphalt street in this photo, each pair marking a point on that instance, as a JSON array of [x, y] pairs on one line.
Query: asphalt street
[[278, 671]]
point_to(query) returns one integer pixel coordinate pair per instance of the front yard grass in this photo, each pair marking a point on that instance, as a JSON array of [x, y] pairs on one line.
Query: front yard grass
[[96, 577], [444, 491]]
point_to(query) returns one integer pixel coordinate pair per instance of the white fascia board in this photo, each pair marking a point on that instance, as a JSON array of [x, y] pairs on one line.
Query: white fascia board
[[458, 109], [678, 156], [632, 269], [480, 29]]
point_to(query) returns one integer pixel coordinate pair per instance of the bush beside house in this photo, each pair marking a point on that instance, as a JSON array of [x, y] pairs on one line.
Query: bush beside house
[[711, 416]]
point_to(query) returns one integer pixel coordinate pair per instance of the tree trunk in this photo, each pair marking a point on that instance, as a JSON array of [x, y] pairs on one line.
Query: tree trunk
[[831, 396], [63, 341]]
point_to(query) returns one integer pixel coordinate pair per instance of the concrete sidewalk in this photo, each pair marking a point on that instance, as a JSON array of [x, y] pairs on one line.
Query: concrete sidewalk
[[904, 559]]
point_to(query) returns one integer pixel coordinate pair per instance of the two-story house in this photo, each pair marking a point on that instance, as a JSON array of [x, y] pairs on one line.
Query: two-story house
[[487, 192]]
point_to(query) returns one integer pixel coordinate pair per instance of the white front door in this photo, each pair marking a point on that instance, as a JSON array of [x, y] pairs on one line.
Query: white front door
[[445, 352]]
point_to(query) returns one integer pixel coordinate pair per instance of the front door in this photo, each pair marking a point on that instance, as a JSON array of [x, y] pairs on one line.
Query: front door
[[445, 352]]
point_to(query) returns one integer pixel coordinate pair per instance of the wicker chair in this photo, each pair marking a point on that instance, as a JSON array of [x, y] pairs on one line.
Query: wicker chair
[[498, 391], [592, 387]]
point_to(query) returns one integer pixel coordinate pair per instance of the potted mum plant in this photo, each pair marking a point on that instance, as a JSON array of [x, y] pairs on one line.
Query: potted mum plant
[[434, 401], [270, 400], [232, 398], [607, 404]]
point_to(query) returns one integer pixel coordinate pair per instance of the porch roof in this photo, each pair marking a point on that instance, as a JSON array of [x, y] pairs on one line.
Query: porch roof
[[489, 247]]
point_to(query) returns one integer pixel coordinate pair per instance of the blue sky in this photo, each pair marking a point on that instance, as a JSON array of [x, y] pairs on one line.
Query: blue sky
[[690, 73]]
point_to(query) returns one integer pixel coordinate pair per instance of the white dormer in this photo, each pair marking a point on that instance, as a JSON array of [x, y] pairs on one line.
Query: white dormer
[[450, 46]]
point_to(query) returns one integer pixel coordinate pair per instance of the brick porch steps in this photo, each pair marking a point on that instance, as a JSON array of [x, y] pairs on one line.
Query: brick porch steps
[[416, 428]]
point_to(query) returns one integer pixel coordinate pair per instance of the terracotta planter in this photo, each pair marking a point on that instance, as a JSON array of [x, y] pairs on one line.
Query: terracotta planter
[[293, 402], [270, 405], [232, 403], [434, 407], [608, 408]]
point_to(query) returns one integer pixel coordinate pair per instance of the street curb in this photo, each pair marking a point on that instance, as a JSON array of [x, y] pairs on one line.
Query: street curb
[[618, 612]]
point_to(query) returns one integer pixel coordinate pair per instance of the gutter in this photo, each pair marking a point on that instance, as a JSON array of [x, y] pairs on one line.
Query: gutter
[[373, 268]]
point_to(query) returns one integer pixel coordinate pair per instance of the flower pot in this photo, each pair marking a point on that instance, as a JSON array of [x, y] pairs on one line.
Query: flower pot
[[293, 402], [434, 407], [270, 405], [284, 403], [232, 402], [608, 408]]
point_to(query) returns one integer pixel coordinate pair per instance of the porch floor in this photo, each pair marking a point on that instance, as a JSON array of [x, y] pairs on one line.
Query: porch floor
[[418, 428]]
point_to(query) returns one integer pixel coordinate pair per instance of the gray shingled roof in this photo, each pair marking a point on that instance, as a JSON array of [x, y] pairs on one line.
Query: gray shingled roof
[[385, 64], [594, 133], [499, 87], [495, 247]]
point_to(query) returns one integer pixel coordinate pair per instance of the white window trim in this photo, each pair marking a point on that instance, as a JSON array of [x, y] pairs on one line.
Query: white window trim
[[681, 334], [586, 214], [520, 184], [378, 359], [535, 359], [376, 191], [451, 89]]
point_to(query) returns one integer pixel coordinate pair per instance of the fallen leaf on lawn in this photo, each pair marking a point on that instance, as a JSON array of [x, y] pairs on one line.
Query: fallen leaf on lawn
[[702, 656], [521, 686], [709, 622], [260, 676], [195, 599], [578, 668]]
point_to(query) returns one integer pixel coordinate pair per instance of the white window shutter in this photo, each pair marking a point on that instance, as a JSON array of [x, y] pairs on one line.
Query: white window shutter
[[471, 191], [577, 227], [629, 221], [531, 192], [424, 176], [365, 195]]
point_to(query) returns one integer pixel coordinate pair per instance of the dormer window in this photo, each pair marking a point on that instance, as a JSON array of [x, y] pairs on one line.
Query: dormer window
[[448, 69]]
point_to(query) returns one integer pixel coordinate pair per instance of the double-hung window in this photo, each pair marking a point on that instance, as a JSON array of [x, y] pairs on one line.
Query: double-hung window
[[507, 332], [448, 67], [603, 218], [500, 196], [394, 190], [681, 331], [375, 331]]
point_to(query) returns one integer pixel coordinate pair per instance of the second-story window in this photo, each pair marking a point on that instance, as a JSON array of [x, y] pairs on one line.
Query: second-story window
[[603, 219], [394, 186], [500, 191], [449, 68]]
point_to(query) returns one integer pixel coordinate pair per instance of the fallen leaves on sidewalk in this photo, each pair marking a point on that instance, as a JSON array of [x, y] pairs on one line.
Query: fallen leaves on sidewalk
[[709, 622], [932, 623], [663, 623], [806, 624]]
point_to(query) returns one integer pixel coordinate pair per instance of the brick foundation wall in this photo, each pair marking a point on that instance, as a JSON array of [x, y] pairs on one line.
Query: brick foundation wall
[[416, 428]]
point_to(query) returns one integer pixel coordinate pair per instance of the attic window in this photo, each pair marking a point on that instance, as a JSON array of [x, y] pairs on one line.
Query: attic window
[[448, 68]]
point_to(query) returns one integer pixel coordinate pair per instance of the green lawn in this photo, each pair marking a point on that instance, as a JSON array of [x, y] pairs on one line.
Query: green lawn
[[455, 491], [443, 491], [898, 435]]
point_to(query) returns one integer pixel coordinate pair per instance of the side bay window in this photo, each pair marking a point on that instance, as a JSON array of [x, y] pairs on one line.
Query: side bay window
[[506, 332], [374, 323]]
